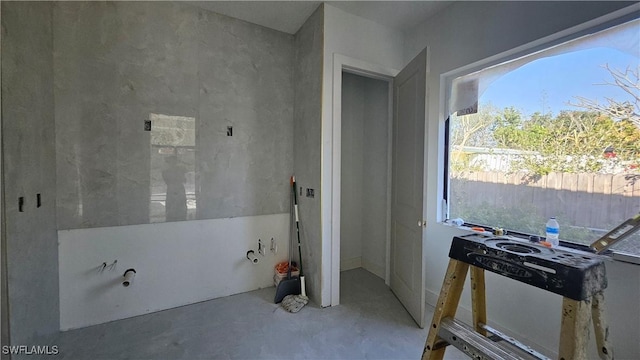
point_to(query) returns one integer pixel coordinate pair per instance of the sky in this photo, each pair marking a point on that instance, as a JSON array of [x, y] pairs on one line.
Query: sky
[[548, 84]]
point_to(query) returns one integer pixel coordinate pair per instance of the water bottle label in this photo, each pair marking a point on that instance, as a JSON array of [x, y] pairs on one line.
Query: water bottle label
[[552, 230]]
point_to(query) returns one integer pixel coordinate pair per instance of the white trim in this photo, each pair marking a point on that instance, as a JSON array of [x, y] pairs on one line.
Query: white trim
[[344, 63]]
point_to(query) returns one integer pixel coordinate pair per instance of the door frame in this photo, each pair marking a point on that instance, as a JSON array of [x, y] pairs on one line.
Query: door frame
[[358, 67]]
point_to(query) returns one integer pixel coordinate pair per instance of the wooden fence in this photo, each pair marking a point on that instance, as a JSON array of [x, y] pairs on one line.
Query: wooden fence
[[590, 200]]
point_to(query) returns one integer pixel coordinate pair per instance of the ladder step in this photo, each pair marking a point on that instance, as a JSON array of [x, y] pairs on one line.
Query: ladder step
[[502, 337], [474, 345]]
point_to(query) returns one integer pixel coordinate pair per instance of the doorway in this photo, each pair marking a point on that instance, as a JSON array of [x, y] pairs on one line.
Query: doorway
[[404, 251], [364, 173]]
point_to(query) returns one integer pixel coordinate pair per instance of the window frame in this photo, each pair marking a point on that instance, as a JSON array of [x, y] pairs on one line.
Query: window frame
[[446, 80]]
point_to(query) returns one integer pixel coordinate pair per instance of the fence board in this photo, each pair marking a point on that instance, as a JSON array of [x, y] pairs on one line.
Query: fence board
[[583, 198], [634, 207], [618, 204], [600, 212], [569, 184], [592, 200]]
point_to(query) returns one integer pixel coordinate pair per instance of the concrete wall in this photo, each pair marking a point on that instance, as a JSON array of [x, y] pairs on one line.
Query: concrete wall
[[102, 69], [29, 169], [115, 64], [118, 62], [464, 33], [4, 304], [306, 150], [363, 213]]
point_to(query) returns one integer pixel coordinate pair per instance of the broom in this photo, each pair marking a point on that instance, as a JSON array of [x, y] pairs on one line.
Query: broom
[[289, 285], [293, 303]]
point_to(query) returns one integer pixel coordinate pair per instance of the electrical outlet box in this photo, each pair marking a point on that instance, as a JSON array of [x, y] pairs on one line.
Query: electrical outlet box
[[261, 247], [274, 246], [310, 193]]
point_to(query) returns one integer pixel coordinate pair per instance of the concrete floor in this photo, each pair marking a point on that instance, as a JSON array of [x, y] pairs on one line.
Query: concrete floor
[[369, 324]]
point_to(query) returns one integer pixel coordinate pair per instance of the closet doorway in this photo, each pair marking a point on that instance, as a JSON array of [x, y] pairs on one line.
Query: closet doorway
[[365, 173]]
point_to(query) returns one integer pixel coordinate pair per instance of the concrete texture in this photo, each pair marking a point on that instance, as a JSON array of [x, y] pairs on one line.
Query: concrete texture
[[307, 114], [370, 324], [29, 169], [118, 62], [4, 303], [246, 81], [365, 136]]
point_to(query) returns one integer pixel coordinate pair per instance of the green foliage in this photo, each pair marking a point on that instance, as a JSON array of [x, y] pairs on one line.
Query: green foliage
[[572, 141]]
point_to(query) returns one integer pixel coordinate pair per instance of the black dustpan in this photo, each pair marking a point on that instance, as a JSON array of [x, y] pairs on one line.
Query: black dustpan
[[288, 286]]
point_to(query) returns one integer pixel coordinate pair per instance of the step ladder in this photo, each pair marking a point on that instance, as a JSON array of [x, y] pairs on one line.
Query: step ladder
[[578, 276]]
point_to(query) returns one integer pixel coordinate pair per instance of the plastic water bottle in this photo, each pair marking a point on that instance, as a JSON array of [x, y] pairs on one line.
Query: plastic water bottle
[[553, 231]]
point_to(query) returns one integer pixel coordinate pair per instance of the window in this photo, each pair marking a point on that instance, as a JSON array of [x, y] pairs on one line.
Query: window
[[552, 133]]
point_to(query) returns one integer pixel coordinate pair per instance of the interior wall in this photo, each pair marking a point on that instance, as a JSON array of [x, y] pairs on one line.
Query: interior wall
[[363, 40], [118, 62], [115, 63], [375, 168], [309, 42], [4, 307], [29, 169], [176, 264], [363, 207], [463, 33], [352, 172]]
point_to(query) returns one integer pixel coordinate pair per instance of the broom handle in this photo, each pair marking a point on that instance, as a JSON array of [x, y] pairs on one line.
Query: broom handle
[[295, 206], [303, 288], [291, 208]]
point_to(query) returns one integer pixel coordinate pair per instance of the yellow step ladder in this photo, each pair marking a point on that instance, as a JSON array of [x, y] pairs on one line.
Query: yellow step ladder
[[579, 277]]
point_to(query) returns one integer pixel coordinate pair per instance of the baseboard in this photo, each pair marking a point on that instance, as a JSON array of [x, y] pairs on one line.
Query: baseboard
[[349, 264], [373, 268]]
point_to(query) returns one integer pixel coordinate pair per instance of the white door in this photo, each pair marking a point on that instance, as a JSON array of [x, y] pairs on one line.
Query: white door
[[407, 268]]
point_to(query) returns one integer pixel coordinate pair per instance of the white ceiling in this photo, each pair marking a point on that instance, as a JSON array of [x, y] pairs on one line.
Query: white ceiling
[[402, 15], [288, 16]]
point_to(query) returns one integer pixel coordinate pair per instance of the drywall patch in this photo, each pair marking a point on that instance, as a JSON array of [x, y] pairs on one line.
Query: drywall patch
[[176, 264]]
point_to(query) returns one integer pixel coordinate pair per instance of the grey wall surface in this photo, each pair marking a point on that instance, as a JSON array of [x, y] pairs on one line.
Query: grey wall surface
[[29, 169], [352, 167], [375, 167], [364, 164], [118, 62], [306, 146], [4, 303]]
